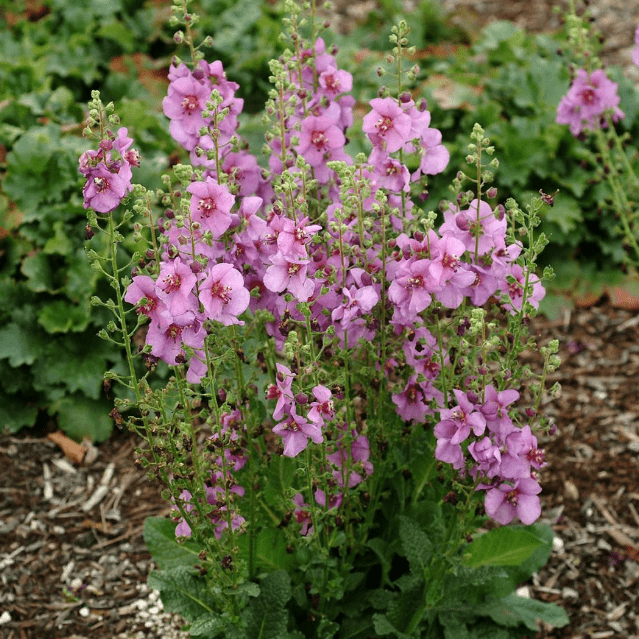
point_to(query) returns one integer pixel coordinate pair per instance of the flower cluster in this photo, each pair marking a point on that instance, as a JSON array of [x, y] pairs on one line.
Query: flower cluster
[[591, 98], [330, 246], [108, 176], [503, 457]]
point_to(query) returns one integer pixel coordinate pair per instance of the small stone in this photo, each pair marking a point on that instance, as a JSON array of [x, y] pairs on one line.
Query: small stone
[[570, 490]]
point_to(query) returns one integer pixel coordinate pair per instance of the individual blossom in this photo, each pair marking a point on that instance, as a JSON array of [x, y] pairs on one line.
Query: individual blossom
[[295, 432], [505, 502], [183, 529], [495, 410], [514, 285], [211, 205], [282, 391], [167, 337], [635, 51], [357, 459], [302, 515], [184, 104], [318, 138], [175, 285], [143, 292], [521, 455], [224, 295], [322, 408], [387, 125], [284, 274], [413, 403], [104, 190], [460, 420]]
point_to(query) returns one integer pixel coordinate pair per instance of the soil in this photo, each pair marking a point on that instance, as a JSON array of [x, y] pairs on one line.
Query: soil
[[72, 567]]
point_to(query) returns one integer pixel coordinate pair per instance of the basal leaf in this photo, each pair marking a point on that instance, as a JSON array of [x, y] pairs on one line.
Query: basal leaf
[[79, 416], [502, 547], [183, 592], [513, 610], [60, 316], [19, 345]]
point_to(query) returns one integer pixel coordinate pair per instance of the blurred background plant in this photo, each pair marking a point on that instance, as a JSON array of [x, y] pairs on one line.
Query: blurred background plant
[[53, 52]]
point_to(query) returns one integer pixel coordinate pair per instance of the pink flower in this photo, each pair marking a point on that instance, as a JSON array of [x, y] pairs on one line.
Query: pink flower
[[318, 137], [104, 190], [223, 294], [211, 205], [295, 431], [323, 408], [175, 283], [284, 274], [505, 502], [387, 125], [588, 99]]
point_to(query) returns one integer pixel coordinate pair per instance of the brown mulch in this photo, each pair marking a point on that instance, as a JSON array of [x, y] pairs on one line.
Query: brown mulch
[[70, 572]]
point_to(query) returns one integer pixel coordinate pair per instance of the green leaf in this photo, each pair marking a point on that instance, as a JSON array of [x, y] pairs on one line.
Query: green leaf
[[159, 536], [384, 627], [76, 362], [566, 213], [79, 416], [270, 550], [15, 413], [60, 243], [38, 272], [266, 615], [61, 316], [513, 610], [210, 625], [502, 547], [19, 345], [416, 545], [182, 591]]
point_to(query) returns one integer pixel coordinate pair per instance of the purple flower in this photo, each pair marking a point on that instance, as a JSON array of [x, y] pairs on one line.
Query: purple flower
[[104, 190], [284, 274], [302, 515], [295, 431], [322, 408], [588, 99], [387, 125], [223, 294], [635, 51], [211, 205], [505, 502], [175, 283], [318, 137]]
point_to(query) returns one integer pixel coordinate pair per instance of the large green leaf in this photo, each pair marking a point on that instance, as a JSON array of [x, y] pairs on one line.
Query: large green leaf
[[19, 345], [416, 545], [266, 615], [79, 416], [182, 591], [513, 610], [502, 547]]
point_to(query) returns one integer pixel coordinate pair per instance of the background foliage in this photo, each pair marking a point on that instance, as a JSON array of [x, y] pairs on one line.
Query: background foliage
[[53, 53]]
